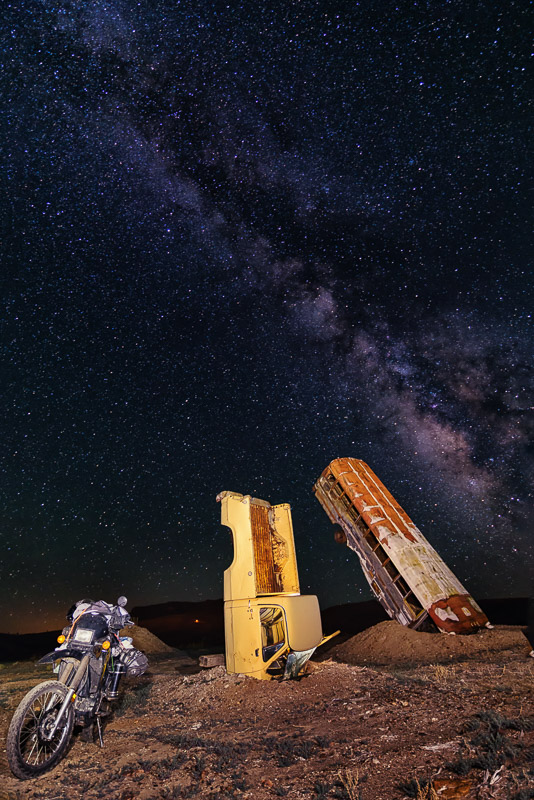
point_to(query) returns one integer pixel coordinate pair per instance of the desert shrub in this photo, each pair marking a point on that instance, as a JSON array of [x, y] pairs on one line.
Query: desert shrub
[[290, 750], [321, 790], [322, 741], [239, 781], [199, 764], [493, 747], [146, 764], [228, 756], [127, 768], [307, 749], [162, 769], [178, 792], [134, 698], [223, 762], [419, 791], [494, 720], [185, 741], [230, 751]]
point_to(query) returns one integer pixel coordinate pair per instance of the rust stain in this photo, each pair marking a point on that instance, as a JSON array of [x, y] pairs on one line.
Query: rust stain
[[267, 576]]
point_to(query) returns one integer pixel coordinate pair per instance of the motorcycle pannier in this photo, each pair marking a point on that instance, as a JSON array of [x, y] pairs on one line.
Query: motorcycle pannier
[[135, 661]]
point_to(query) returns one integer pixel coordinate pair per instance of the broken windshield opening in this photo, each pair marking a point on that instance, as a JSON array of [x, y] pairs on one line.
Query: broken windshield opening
[[273, 632]]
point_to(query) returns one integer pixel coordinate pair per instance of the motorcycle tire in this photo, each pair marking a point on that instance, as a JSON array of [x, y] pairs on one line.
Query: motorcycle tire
[[29, 752]]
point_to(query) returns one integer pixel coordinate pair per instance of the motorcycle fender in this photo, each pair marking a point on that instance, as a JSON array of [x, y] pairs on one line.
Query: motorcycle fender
[[56, 655]]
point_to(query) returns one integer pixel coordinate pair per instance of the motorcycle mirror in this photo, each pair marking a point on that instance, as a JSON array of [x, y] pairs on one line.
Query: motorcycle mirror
[[122, 601]]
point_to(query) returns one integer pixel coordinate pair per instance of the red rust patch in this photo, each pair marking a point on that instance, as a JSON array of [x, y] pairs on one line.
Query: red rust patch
[[453, 788], [466, 623]]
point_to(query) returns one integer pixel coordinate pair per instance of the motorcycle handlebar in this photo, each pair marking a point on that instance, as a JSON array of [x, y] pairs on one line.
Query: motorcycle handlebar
[[120, 617]]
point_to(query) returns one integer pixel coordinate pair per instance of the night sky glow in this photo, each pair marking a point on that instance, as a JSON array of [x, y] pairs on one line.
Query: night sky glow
[[241, 240]]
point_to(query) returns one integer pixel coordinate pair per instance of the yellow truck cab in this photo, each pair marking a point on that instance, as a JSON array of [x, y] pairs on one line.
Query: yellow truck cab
[[271, 630]]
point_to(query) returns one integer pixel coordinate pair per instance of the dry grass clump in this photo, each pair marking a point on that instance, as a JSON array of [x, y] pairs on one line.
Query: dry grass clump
[[419, 791], [349, 781], [443, 674]]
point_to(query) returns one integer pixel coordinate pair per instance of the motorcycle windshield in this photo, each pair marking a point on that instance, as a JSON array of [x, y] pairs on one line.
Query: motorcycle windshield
[[89, 627]]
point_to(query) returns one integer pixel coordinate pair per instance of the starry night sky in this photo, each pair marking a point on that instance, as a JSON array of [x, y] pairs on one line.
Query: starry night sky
[[241, 240]]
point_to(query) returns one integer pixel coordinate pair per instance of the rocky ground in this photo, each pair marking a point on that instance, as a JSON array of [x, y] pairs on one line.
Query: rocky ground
[[452, 720]]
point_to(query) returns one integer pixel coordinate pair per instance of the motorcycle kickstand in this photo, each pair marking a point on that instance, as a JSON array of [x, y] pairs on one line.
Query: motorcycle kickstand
[[99, 729]]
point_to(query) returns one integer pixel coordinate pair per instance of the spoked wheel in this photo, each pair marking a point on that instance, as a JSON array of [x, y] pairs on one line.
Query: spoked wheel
[[32, 747]]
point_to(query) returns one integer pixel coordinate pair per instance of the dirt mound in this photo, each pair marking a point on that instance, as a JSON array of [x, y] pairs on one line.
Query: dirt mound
[[391, 643], [150, 644]]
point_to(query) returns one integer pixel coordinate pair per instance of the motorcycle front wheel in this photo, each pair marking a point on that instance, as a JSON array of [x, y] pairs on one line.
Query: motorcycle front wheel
[[31, 749]]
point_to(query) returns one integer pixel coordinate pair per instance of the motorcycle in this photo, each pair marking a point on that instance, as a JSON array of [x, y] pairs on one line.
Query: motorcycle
[[90, 662]]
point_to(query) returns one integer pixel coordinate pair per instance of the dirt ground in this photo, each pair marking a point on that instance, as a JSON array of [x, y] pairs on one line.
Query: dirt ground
[[457, 712]]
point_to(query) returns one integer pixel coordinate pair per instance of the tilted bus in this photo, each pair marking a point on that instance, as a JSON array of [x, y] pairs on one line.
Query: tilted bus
[[405, 573]]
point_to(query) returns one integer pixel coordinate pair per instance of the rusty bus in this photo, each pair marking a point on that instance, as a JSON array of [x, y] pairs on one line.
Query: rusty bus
[[405, 573]]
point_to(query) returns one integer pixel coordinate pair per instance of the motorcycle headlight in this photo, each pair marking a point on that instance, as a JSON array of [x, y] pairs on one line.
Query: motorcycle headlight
[[84, 635]]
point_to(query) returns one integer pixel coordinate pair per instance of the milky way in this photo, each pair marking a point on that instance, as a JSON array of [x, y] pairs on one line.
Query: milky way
[[238, 242]]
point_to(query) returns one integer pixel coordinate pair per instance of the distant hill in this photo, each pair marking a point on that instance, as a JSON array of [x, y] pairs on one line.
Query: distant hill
[[184, 624], [21, 647], [189, 625]]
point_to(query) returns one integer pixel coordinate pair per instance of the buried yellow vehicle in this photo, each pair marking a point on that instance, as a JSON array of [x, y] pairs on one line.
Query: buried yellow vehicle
[[404, 571], [270, 629]]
